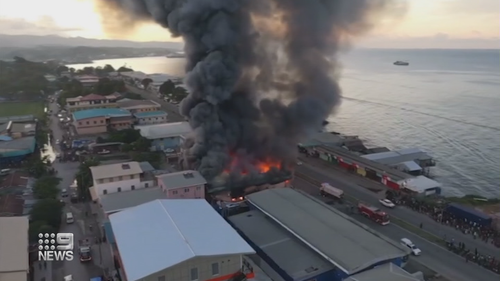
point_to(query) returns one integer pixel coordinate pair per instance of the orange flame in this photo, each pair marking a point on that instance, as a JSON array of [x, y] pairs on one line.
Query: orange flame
[[261, 166]]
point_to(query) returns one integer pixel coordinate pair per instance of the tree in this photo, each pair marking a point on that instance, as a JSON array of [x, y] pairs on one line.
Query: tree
[[37, 227], [108, 68], [126, 136], [146, 81], [38, 167], [46, 187], [179, 93], [60, 69], [106, 86], [49, 211], [167, 87], [84, 177], [125, 69]]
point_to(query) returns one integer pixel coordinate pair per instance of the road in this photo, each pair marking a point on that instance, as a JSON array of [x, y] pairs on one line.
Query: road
[[436, 258], [355, 186], [66, 171]]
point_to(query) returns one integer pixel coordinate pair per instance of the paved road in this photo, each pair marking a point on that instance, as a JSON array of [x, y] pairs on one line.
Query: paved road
[[171, 109], [353, 185], [434, 257], [66, 171]]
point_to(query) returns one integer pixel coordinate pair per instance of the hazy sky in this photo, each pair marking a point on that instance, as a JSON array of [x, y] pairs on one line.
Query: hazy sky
[[426, 24]]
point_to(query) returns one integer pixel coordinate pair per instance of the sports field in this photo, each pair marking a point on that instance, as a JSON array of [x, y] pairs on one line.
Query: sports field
[[21, 108]]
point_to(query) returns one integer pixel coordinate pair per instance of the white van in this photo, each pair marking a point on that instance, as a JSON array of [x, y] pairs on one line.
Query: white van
[[69, 218], [407, 243], [4, 172]]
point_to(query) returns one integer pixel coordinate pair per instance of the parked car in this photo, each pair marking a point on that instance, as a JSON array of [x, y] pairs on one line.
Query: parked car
[[414, 249], [387, 203], [104, 151]]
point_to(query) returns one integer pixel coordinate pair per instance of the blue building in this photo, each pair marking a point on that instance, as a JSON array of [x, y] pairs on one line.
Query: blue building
[[303, 239], [165, 136], [15, 150]]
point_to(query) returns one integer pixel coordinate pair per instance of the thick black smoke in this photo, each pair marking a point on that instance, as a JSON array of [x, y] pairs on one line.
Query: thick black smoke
[[262, 73]]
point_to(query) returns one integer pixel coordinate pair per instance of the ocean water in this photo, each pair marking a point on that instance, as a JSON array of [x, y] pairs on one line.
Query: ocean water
[[446, 102]]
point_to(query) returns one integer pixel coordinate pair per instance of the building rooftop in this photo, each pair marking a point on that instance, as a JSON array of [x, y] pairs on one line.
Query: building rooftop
[[166, 130], [385, 272], [288, 252], [17, 147], [150, 114], [119, 201], [346, 243], [14, 245], [11, 205], [115, 170], [136, 104], [171, 232], [23, 128], [182, 179], [146, 167], [398, 156], [420, 184], [100, 112], [92, 97]]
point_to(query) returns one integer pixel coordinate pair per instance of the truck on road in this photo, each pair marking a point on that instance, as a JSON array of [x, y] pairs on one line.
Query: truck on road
[[374, 213], [85, 250], [326, 190]]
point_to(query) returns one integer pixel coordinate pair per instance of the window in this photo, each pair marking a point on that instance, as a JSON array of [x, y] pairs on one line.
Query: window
[[194, 274], [198, 187], [102, 121], [161, 278], [119, 189], [105, 191], [87, 122], [133, 187], [79, 123], [120, 178], [186, 190], [95, 122], [101, 181], [146, 185], [174, 192], [111, 180], [215, 268], [132, 177]]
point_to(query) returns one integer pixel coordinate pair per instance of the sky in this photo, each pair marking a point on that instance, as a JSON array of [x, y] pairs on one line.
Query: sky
[[424, 24]]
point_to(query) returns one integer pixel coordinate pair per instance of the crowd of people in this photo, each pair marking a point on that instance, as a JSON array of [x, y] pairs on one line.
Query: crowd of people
[[474, 256]]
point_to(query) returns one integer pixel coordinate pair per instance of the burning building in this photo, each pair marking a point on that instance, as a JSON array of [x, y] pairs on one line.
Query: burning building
[[262, 75]]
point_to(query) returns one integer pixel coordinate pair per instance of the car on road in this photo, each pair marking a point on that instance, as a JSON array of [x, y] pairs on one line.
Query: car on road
[[104, 151], [414, 249], [64, 193], [299, 163], [386, 202]]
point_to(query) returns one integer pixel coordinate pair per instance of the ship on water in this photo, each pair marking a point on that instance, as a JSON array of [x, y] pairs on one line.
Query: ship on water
[[402, 63], [176, 55]]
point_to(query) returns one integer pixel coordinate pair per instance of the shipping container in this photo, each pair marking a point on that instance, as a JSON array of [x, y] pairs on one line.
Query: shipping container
[[469, 214]]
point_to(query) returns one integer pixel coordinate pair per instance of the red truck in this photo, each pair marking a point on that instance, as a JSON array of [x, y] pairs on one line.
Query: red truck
[[374, 213], [85, 250]]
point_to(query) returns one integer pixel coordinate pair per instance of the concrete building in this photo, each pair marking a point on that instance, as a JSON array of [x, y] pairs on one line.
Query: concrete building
[[180, 240], [91, 101], [422, 185], [98, 121], [87, 80], [332, 139], [119, 177], [14, 257], [119, 201], [183, 185], [151, 117], [137, 106], [163, 136], [342, 247]]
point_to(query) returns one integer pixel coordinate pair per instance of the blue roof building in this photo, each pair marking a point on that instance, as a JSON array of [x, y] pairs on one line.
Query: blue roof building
[[100, 112], [150, 117]]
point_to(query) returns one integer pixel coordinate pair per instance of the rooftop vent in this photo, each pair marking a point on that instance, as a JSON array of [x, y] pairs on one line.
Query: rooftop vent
[[310, 269], [188, 175], [125, 166]]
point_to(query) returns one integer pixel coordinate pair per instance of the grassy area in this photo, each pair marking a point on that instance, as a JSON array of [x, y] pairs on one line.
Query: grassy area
[[21, 108]]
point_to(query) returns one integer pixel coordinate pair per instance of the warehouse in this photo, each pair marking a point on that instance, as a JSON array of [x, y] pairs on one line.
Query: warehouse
[[347, 245]]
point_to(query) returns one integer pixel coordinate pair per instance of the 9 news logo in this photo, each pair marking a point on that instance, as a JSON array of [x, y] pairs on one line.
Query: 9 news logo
[[55, 247]]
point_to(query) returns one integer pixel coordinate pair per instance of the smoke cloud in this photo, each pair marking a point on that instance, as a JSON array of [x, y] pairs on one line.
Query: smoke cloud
[[262, 74]]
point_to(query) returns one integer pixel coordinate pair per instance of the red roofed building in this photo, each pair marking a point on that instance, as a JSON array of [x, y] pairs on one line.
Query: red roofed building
[[91, 101]]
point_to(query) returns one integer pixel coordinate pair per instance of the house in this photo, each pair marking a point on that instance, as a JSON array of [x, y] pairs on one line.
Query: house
[[119, 177], [14, 257], [180, 240], [91, 101], [87, 80], [183, 185], [98, 121], [150, 117], [136, 106], [165, 136]]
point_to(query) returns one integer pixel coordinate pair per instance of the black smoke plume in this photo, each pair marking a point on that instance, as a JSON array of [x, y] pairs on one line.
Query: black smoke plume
[[262, 74]]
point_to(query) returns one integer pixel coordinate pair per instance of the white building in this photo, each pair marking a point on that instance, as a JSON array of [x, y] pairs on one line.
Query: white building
[[119, 177], [151, 117], [178, 240], [164, 136], [14, 257]]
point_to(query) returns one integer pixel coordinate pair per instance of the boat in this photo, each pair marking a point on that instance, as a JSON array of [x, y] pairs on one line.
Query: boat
[[402, 63]]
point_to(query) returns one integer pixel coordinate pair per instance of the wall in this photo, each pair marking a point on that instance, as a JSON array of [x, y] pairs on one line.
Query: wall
[[84, 105], [146, 109], [120, 123], [161, 144], [189, 192], [228, 266], [125, 183], [152, 120]]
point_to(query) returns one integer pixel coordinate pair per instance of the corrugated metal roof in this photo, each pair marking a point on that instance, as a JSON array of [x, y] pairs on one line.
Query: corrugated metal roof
[[182, 179], [346, 243], [398, 156], [100, 112], [386, 272], [115, 170], [13, 239], [160, 234], [421, 184], [289, 253], [118, 201], [150, 114], [167, 130]]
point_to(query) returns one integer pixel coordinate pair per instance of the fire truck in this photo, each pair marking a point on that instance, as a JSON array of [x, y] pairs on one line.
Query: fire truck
[[374, 213]]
